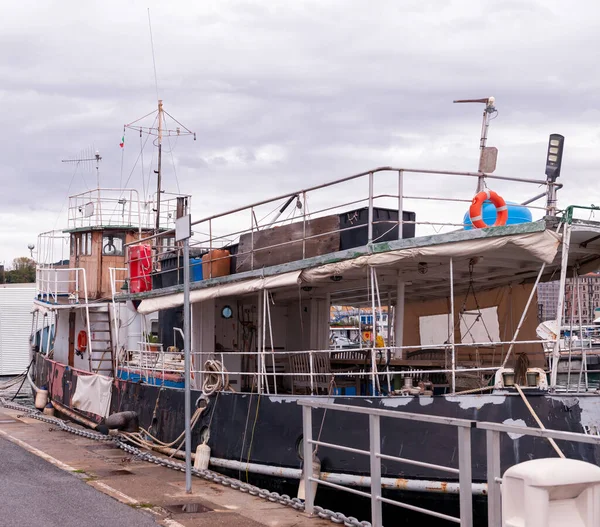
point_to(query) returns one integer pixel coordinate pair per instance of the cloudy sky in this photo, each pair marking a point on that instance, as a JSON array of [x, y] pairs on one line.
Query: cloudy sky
[[285, 94]]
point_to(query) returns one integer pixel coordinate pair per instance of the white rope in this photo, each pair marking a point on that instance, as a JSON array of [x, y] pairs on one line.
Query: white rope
[[216, 377]]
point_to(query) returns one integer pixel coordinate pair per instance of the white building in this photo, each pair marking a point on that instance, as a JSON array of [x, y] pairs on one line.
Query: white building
[[16, 303]]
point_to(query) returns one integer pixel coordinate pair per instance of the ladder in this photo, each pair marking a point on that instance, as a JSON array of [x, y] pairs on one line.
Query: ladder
[[100, 340]]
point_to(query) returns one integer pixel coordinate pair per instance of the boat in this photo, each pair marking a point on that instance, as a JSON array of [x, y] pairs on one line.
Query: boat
[[462, 329]]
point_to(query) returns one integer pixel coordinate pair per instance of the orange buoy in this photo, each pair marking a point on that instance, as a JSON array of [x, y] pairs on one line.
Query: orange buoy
[[477, 205]]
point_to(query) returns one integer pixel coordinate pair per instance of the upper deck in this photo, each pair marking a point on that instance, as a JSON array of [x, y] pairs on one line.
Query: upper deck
[[81, 262], [122, 209], [358, 217]]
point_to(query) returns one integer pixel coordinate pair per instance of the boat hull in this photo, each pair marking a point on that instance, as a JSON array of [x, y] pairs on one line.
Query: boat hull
[[267, 430]]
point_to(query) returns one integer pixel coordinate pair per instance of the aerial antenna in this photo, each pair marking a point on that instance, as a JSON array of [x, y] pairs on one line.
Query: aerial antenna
[[159, 131], [86, 159], [487, 155]]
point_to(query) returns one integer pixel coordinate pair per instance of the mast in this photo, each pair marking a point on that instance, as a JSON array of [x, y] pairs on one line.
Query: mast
[[158, 172], [487, 156], [160, 129]]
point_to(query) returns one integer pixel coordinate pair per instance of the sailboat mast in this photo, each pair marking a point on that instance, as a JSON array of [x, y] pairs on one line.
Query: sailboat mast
[[159, 171]]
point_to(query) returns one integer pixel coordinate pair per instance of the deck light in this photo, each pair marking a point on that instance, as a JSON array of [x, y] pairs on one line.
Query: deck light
[[554, 157]]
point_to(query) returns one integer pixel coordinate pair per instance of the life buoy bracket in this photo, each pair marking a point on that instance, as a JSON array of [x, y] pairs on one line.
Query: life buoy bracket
[[82, 341], [475, 210]]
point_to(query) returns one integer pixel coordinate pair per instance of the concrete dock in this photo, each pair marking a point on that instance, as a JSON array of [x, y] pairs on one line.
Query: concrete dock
[[55, 478]]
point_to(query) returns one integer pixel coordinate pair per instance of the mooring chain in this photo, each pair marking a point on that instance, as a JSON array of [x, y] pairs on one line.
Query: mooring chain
[[283, 499]]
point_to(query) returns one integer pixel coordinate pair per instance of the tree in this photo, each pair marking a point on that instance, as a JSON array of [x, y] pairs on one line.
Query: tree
[[23, 271]]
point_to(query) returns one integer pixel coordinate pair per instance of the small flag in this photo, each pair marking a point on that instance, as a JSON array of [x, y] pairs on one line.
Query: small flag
[[122, 143]]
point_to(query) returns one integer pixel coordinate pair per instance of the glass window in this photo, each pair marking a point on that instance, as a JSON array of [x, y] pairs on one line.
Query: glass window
[[88, 244], [73, 246], [112, 245]]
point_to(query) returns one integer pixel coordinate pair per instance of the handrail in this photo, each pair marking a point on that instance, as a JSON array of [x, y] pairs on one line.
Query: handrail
[[464, 427]]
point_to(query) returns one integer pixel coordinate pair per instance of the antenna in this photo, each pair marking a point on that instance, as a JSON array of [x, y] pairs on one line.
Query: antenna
[[159, 131], [487, 155], [87, 158]]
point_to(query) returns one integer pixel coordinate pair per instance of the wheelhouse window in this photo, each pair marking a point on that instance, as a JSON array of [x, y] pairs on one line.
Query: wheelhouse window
[[112, 244], [81, 244]]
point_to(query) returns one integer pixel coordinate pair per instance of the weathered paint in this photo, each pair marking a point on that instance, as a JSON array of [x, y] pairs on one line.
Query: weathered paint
[[515, 422], [467, 402], [278, 426]]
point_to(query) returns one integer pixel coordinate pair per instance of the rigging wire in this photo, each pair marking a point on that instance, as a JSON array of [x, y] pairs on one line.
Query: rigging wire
[[153, 57], [172, 159], [122, 158], [143, 173], [138, 158], [68, 191]]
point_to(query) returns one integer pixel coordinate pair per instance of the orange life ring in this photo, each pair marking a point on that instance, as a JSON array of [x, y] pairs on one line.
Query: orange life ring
[[477, 205], [82, 341]]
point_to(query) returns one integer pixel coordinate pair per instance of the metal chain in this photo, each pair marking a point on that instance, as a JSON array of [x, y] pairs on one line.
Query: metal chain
[[209, 475]]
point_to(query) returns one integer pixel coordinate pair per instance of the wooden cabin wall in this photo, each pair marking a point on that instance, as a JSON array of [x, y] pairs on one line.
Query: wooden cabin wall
[[97, 266], [510, 301]]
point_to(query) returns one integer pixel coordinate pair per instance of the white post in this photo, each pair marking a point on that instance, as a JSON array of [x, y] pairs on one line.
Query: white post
[[259, 340], [560, 304], [373, 332], [583, 351], [452, 326], [399, 318], [375, 465]]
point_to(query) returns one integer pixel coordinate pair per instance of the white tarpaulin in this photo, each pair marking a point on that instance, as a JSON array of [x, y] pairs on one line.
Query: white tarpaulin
[[234, 289], [93, 394], [541, 246]]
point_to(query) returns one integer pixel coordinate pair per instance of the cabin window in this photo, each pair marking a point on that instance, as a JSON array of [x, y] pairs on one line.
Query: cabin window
[[87, 244], [73, 244], [480, 325], [112, 245]]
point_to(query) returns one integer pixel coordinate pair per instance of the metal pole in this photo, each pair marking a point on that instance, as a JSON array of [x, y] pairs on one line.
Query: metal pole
[[187, 344], [551, 200], [370, 219], [308, 458], [464, 476], [493, 472], [259, 340], [452, 326], [374, 451], [583, 351], [399, 318], [159, 171], [523, 315], [373, 333], [560, 305], [400, 204]]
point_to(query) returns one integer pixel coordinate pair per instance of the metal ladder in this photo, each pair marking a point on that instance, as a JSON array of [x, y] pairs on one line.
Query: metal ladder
[[100, 340]]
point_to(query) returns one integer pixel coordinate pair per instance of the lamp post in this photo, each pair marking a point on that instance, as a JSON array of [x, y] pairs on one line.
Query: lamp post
[[553, 165], [183, 233]]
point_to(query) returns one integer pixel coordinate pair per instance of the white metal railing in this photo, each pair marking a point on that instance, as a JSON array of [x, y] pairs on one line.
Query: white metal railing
[[114, 207], [463, 471], [320, 371], [381, 188], [53, 283]]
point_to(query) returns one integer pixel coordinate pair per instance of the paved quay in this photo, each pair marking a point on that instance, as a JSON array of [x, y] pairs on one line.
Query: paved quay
[[53, 478]]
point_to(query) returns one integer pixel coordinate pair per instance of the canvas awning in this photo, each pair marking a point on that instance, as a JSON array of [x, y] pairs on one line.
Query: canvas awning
[[234, 289], [536, 246]]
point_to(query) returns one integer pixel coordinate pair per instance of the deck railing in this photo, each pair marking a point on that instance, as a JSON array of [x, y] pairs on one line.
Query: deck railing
[[54, 283], [115, 207], [372, 370], [463, 428], [242, 231]]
